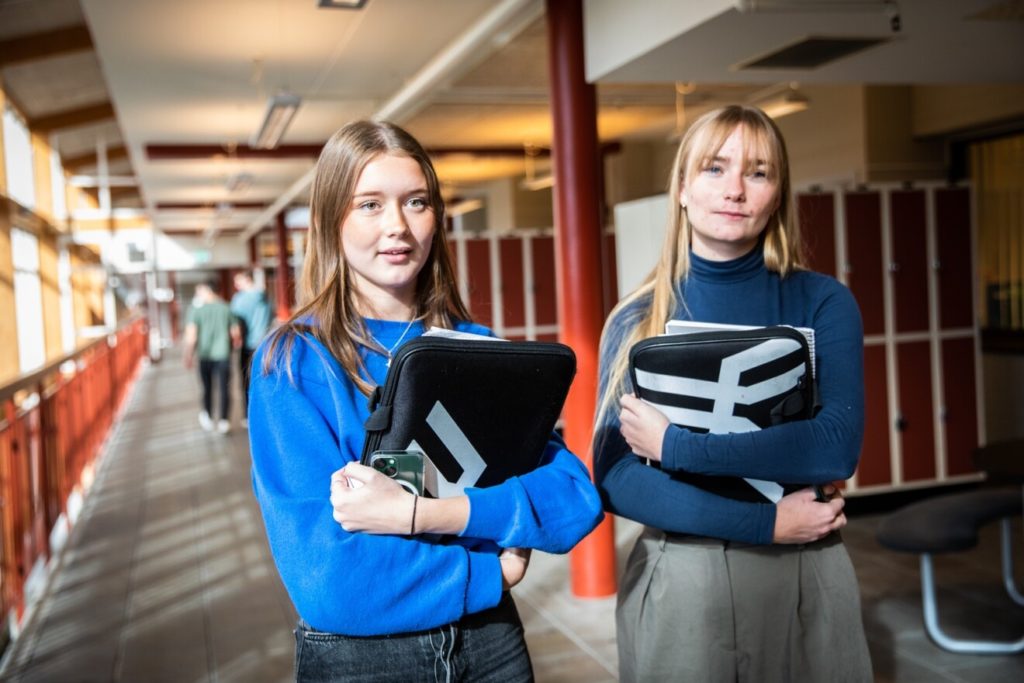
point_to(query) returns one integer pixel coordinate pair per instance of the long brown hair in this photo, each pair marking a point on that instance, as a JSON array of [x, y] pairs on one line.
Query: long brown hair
[[328, 301], [782, 245]]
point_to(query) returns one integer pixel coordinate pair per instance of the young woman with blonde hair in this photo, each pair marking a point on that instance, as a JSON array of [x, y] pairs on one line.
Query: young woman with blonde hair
[[721, 587], [388, 586]]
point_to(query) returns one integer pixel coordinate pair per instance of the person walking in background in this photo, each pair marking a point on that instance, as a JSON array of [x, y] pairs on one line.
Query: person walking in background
[[210, 332], [249, 306]]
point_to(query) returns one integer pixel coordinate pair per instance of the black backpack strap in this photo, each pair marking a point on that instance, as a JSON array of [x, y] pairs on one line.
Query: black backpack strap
[[379, 419], [380, 416]]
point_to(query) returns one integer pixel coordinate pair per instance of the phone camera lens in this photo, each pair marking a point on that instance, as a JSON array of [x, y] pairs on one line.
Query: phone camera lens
[[391, 470]]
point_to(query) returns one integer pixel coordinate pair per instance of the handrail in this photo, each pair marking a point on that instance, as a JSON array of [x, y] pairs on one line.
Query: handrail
[[34, 377], [49, 445]]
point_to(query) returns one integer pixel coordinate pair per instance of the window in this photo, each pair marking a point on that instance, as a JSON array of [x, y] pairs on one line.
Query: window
[[28, 300], [997, 167], [60, 205], [18, 159]]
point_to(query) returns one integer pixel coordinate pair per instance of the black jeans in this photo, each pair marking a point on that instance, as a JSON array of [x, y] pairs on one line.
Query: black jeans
[[218, 371], [487, 647]]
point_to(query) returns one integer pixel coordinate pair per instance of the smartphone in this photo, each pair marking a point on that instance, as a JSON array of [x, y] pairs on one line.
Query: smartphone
[[405, 467]]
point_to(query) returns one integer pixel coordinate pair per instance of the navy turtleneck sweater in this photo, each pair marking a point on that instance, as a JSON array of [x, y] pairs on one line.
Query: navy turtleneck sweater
[[818, 450]]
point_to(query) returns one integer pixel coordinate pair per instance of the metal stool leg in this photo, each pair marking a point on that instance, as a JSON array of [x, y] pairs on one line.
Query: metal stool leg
[[1008, 578], [935, 632]]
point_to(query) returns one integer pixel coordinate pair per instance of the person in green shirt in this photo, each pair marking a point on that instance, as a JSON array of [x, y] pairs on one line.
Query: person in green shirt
[[210, 332]]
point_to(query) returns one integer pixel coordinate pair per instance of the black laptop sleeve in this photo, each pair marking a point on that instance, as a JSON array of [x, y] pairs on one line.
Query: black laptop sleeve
[[480, 410], [725, 382]]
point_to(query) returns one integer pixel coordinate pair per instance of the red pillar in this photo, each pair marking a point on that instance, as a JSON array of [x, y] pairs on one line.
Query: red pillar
[[174, 307], [577, 197], [283, 273]]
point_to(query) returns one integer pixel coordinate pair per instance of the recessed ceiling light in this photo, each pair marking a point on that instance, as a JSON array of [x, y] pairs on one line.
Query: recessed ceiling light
[[341, 4]]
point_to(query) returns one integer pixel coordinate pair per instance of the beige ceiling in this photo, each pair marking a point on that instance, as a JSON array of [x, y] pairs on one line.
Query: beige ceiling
[[199, 72]]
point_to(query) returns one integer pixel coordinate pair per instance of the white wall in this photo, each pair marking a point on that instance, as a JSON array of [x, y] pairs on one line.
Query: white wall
[[826, 142], [948, 108], [618, 32], [639, 233], [639, 169]]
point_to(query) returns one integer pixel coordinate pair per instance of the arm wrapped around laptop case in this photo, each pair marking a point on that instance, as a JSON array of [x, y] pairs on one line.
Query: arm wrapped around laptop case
[[728, 381]]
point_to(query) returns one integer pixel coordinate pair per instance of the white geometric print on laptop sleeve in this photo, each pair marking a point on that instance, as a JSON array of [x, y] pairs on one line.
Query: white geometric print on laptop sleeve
[[455, 440], [726, 393]]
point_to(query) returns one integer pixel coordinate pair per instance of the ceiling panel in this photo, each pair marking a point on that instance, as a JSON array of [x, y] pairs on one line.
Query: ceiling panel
[[57, 83], [83, 139], [23, 17], [934, 41], [193, 72]]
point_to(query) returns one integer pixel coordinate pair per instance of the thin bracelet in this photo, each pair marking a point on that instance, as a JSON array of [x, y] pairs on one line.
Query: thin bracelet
[[412, 524]]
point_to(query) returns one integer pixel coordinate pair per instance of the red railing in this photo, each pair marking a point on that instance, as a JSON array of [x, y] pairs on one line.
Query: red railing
[[52, 426]]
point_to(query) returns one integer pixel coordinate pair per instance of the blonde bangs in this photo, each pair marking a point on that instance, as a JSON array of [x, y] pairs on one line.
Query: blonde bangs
[[760, 149]]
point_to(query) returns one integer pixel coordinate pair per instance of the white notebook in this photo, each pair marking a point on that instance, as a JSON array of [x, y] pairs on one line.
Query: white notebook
[[693, 326], [457, 334]]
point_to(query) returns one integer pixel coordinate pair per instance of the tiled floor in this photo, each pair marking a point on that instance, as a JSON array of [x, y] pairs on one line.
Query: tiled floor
[[166, 577]]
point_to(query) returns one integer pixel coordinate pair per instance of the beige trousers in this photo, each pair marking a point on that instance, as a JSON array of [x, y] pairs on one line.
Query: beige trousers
[[700, 609]]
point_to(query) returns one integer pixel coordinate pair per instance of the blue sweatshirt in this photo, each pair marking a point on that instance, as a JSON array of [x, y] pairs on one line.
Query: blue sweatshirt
[[361, 584], [822, 449]]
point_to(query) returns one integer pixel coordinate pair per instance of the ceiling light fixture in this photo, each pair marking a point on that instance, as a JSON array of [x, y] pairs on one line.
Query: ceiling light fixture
[[777, 103], [682, 90], [280, 111], [541, 182], [465, 206], [341, 4], [239, 182], [532, 181]]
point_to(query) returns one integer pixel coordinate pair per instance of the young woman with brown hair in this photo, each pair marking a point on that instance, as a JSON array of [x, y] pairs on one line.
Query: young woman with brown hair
[[388, 586]]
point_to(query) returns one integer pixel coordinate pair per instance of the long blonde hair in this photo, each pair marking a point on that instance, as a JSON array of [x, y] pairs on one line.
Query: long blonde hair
[[658, 294], [328, 309]]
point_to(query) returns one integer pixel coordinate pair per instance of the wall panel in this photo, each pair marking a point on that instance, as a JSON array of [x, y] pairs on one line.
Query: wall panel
[[953, 239], [909, 271], [875, 468], [864, 256], [816, 214], [916, 423], [959, 418]]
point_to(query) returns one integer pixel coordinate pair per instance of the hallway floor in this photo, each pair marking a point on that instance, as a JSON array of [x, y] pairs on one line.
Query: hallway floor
[[166, 577]]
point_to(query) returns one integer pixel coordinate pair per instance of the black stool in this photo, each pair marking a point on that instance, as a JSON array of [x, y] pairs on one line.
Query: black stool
[[947, 524]]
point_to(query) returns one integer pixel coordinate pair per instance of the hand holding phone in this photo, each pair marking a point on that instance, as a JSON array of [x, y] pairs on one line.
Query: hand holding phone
[[405, 467]]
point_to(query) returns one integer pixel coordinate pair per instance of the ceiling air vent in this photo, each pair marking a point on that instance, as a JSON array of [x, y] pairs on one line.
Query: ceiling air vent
[[811, 53]]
